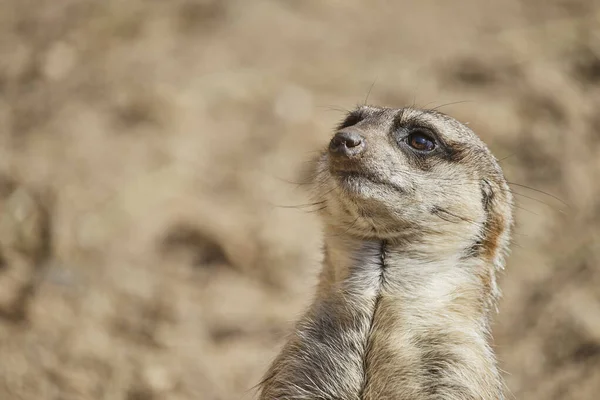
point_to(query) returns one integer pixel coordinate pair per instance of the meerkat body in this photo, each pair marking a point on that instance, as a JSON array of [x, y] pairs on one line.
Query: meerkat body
[[417, 221]]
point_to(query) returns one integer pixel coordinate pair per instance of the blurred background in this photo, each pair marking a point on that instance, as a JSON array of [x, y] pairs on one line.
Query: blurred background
[[150, 155]]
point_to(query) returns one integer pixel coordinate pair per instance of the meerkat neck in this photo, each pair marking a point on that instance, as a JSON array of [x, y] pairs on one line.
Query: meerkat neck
[[387, 323]]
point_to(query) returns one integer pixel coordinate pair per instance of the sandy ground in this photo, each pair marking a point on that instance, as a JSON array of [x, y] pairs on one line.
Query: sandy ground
[[148, 150]]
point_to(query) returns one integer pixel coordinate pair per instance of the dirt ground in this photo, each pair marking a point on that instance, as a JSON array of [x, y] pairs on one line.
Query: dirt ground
[[148, 154]]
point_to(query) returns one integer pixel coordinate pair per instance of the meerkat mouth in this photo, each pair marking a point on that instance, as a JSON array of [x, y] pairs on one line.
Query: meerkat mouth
[[355, 181]]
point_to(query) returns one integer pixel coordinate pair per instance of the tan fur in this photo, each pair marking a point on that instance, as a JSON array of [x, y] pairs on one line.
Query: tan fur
[[412, 245]]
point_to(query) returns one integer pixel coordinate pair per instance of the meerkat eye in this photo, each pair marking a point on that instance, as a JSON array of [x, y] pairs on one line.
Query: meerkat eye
[[420, 141]]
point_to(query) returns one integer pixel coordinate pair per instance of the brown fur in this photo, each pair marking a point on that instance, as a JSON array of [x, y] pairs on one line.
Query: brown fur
[[413, 242]]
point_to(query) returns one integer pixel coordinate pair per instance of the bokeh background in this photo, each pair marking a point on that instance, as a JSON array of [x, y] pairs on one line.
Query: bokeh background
[[150, 160]]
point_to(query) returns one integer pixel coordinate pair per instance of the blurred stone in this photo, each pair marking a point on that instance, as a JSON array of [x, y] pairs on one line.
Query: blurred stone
[[20, 223], [15, 63], [60, 60], [25, 247], [157, 378], [192, 246]]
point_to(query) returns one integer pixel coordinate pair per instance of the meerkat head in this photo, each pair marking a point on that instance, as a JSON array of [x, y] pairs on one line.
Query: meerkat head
[[416, 176]]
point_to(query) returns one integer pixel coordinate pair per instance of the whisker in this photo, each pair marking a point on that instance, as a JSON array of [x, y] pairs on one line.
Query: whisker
[[538, 200], [291, 182], [424, 106], [317, 210], [539, 191], [415, 90], [525, 209], [299, 206], [449, 104], [513, 243], [519, 234], [369, 92], [335, 108], [508, 156]]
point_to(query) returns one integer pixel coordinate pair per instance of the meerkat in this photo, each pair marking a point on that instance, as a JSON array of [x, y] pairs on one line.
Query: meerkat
[[417, 217]]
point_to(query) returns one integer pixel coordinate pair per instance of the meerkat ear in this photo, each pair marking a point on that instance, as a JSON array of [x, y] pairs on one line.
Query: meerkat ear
[[487, 193], [497, 223], [493, 237]]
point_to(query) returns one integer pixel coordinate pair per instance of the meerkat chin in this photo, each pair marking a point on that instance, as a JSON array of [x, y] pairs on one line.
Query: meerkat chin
[[417, 217]]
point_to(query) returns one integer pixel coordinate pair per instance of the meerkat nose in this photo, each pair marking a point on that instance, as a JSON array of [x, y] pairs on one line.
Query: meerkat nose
[[347, 143]]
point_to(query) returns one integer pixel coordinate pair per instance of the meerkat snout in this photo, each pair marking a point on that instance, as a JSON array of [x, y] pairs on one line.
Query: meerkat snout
[[347, 143]]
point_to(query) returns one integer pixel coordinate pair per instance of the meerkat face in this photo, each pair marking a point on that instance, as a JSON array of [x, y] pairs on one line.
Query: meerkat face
[[413, 174]]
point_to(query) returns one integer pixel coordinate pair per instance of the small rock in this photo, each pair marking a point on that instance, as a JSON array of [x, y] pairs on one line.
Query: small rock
[[60, 60], [157, 379]]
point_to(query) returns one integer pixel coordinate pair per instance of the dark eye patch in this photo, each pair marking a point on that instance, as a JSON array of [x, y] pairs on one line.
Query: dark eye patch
[[422, 145], [352, 119]]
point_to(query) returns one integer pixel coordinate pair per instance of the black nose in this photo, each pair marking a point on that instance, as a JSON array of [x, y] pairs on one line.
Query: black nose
[[347, 143]]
